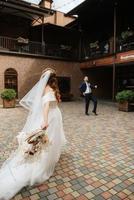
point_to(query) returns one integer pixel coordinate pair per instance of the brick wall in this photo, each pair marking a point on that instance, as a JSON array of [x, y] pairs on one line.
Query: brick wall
[[29, 70]]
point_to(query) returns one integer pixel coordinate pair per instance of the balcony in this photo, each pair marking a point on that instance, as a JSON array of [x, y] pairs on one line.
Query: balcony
[[92, 51], [105, 48], [26, 47], [126, 44], [96, 50]]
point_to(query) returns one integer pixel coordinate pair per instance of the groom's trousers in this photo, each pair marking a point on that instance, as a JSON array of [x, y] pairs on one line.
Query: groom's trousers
[[89, 97]]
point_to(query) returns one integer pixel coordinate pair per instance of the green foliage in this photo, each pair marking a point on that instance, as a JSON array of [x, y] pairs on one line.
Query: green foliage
[[125, 95], [94, 44], [126, 34], [8, 94]]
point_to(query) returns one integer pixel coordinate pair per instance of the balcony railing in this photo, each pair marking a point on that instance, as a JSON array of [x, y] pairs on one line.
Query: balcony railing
[[91, 51], [126, 44], [105, 48], [96, 49], [25, 46]]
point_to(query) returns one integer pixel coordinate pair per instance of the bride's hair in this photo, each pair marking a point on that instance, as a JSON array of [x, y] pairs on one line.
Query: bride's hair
[[53, 83]]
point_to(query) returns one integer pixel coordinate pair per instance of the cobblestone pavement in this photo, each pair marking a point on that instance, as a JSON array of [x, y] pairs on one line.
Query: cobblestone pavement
[[98, 162]]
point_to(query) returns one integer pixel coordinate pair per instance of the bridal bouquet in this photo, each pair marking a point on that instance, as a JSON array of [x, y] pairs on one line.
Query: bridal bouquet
[[37, 141]]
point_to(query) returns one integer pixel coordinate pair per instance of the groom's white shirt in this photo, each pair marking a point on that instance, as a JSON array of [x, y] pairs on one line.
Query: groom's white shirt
[[88, 89]]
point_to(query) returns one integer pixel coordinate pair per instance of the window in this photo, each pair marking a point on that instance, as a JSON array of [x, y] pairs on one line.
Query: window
[[11, 79]]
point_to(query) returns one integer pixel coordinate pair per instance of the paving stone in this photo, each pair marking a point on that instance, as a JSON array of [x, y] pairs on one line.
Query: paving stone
[[52, 197], [82, 191], [58, 182], [99, 198], [34, 191], [114, 197], [75, 194], [117, 188], [89, 188], [97, 191], [52, 190], [18, 197], [131, 197], [44, 194], [131, 188], [76, 187], [83, 183], [34, 197], [73, 182], [89, 195], [25, 194]]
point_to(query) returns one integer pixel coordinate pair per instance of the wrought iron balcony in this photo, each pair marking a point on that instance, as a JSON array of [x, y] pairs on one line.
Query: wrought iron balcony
[[96, 50], [24, 46], [105, 48], [126, 44]]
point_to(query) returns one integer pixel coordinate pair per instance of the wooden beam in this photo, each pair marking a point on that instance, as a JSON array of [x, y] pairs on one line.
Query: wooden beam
[[32, 10]]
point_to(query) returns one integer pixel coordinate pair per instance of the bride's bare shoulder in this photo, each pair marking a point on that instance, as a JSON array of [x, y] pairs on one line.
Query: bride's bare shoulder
[[47, 90]]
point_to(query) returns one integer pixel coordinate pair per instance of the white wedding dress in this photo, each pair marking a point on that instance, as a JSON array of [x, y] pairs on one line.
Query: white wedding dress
[[17, 172]]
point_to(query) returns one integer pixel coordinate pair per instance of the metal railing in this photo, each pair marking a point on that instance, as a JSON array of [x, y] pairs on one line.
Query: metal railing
[[104, 48], [126, 44], [21, 45], [96, 49], [93, 50]]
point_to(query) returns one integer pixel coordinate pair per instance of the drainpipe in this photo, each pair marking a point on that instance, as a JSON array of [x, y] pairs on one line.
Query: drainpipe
[[114, 65], [80, 43], [42, 36]]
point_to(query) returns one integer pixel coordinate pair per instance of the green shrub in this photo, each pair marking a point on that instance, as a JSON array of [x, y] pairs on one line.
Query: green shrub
[[94, 44], [8, 94], [125, 95], [126, 34]]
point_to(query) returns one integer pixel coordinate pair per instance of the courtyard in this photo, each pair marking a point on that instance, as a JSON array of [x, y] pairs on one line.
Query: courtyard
[[98, 161]]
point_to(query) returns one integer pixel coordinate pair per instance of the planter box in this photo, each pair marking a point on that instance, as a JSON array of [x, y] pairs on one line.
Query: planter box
[[8, 104], [124, 106]]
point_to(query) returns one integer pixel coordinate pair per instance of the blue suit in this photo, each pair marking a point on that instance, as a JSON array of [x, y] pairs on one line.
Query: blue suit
[[83, 87], [88, 97]]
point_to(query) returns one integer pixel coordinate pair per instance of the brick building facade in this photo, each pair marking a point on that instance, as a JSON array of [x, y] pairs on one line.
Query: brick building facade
[[29, 70]]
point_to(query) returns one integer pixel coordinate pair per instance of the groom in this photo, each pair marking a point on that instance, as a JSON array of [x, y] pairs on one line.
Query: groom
[[86, 89]]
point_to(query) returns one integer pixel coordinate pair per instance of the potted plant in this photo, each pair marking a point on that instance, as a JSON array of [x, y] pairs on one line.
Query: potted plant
[[94, 45], [8, 96], [126, 34], [125, 98]]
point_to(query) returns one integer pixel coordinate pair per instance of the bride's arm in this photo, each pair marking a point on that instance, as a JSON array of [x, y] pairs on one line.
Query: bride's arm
[[45, 111]]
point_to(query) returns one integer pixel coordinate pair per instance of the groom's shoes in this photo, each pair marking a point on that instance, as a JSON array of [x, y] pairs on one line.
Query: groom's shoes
[[87, 114], [94, 112]]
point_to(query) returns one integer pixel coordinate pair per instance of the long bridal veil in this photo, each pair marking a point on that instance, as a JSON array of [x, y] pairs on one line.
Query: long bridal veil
[[32, 102]]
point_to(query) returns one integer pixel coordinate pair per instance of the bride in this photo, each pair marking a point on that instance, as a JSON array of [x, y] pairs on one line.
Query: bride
[[42, 103]]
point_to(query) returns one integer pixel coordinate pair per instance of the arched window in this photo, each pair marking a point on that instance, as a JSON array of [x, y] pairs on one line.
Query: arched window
[[11, 79]]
